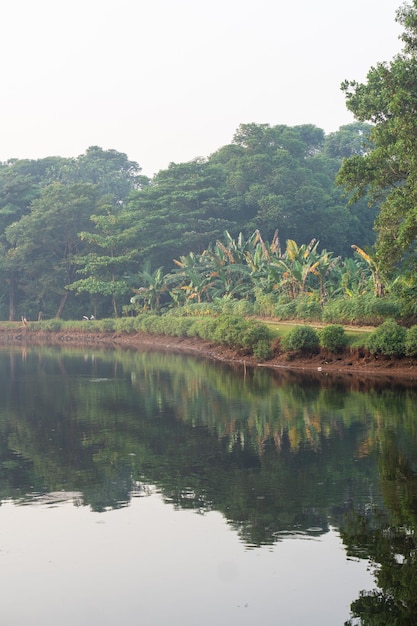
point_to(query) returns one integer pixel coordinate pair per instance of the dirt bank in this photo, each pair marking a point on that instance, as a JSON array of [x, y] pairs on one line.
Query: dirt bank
[[352, 363]]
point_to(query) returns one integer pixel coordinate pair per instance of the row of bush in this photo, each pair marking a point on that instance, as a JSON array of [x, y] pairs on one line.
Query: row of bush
[[388, 339], [248, 335], [239, 333]]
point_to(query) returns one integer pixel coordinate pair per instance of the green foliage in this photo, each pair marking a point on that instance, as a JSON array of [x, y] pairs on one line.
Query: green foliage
[[125, 325], [286, 310], [388, 339], [146, 322], [411, 341], [262, 350], [237, 332], [51, 325], [388, 168], [229, 330], [308, 308], [302, 338], [333, 338], [107, 325], [265, 303], [365, 309], [206, 327]]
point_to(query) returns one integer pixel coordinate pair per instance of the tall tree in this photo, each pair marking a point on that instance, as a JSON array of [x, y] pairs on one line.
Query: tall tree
[[114, 175], [45, 243], [181, 210], [20, 185], [388, 167], [110, 257]]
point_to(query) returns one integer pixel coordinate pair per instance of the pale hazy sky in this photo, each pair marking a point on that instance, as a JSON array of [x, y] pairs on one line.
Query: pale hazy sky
[[170, 80]]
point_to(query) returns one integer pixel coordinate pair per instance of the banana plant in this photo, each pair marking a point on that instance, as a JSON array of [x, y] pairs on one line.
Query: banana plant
[[154, 284], [195, 275], [371, 259]]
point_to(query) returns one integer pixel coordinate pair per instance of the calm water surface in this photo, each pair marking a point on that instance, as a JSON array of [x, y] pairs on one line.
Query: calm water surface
[[152, 488]]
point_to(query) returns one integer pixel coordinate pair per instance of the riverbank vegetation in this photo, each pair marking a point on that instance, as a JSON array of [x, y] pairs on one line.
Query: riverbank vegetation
[[235, 338]]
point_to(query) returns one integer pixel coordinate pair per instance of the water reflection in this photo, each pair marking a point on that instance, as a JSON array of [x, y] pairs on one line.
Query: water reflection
[[277, 455]]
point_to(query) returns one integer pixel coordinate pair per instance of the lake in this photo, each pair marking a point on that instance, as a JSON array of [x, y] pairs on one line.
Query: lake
[[152, 488]]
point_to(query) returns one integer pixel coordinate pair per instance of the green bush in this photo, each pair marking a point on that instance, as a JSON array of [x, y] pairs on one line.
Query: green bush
[[285, 310], [333, 338], [366, 309], [307, 308], [125, 325], [262, 350], [303, 338], [237, 332], [107, 325], [254, 332], [411, 341], [145, 322], [388, 339], [243, 307], [52, 325], [183, 326], [205, 328], [264, 304]]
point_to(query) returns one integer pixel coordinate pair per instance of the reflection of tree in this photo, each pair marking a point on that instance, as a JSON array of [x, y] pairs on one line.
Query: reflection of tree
[[269, 453], [388, 538]]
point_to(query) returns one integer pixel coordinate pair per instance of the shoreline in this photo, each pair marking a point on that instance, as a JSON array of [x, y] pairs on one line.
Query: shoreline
[[350, 363]]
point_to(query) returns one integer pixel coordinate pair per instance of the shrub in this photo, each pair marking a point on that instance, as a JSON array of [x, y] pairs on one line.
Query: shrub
[[285, 310], [411, 341], [232, 330], [243, 307], [183, 326], [307, 308], [363, 309], [264, 304], [145, 322], [333, 338], [388, 339], [107, 325], [303, 338], [205, 328], [262, 350], [253, 332], [52, 325], [125, 325]]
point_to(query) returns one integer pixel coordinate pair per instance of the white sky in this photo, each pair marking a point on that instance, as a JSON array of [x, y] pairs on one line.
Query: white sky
[[170, 80]]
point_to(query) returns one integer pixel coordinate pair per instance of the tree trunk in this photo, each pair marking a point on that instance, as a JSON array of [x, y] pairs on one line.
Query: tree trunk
[[12, 306], [61, 306]]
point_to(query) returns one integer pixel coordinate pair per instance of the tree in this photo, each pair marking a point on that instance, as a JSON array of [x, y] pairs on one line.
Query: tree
[[182, 210], [109, 258], [388, 168], [20, 185], [110, 171], [45, 243]]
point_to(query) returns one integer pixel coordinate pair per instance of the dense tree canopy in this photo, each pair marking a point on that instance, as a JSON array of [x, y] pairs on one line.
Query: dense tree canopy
[[77, 234], [388, 168]]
